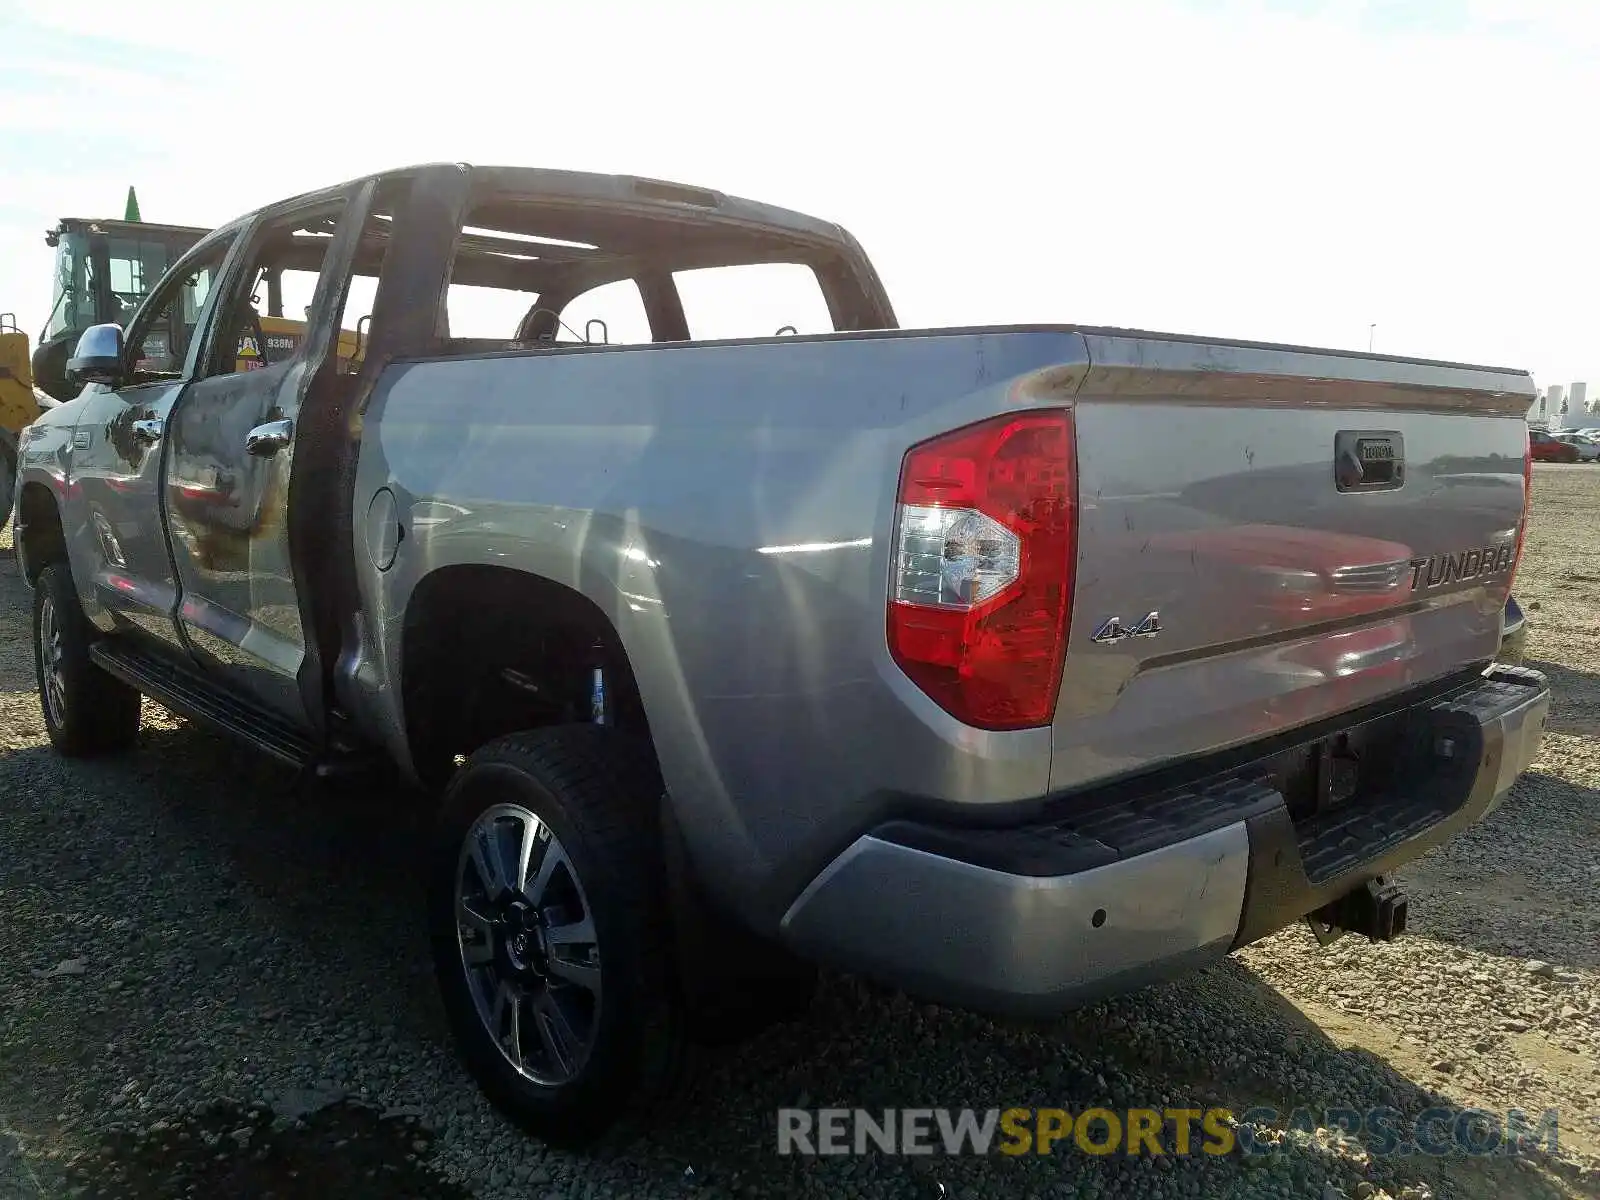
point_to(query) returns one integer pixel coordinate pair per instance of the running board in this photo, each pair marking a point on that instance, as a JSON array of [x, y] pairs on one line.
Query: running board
[[189, 693]]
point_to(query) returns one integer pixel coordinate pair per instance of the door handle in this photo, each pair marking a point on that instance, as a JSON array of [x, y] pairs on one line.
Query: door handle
[[147, 431], [266, 440]]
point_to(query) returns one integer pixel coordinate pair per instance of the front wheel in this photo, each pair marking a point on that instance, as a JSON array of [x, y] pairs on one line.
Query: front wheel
[[86, 711], [550, 940]]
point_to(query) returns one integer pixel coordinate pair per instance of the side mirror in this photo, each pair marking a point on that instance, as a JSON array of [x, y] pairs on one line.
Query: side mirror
[[98, 358]]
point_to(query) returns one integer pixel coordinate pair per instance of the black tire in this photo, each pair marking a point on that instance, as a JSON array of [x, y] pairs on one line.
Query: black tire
[[86, 711], [597, 791]]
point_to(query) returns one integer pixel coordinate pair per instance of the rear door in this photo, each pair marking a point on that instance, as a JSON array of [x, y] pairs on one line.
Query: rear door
[[1270, 537], [230, 455]]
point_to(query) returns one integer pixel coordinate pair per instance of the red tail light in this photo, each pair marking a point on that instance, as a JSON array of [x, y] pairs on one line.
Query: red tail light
[[985, 544], [1527, 505]]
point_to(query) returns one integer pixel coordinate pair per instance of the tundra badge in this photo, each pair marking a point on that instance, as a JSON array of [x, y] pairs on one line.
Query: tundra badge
[[1437, 570]]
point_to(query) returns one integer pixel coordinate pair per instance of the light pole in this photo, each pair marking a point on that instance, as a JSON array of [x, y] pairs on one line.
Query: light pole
[[1371, 330]]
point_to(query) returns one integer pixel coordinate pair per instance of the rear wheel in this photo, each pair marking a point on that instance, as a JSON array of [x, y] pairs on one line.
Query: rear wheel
[[548, 917], [86, 711]]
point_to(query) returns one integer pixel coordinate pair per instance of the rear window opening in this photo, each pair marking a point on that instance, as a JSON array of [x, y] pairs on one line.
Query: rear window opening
[[754, 300], [611, 314]]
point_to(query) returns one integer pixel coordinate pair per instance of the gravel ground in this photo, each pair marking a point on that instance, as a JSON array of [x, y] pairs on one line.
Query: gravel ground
[[214, 982]]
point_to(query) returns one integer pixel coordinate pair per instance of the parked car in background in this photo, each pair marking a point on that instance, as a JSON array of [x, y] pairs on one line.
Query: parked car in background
[[1588, 448], [1547, 447]]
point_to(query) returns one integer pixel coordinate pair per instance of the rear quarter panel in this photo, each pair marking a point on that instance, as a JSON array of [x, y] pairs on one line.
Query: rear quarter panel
[[728, 508]]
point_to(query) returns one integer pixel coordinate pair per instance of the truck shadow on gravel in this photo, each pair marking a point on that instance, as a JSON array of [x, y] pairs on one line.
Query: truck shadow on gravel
[[1575, 699], [16, 668], [1505, 887], [1225, 1038], [271, 937], [1321, 1060], [16, 632]]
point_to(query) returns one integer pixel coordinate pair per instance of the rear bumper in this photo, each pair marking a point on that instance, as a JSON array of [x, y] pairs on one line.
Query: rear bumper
[[1056, 913]]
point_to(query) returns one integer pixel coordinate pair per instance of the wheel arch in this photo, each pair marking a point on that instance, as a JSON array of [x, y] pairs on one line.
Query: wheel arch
[[487, 650], [40, 536]]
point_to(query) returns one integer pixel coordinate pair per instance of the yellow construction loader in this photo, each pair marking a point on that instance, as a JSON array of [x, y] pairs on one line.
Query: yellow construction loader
[[103, 270], [18, 405]]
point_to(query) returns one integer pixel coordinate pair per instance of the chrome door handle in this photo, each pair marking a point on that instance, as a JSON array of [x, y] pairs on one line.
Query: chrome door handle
[[147, 431], [266, 440]]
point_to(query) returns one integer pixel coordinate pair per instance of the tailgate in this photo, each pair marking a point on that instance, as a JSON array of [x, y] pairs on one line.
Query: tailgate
[[1272, 536]]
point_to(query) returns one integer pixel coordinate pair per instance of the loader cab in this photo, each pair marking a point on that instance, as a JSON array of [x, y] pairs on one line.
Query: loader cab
[[103, 271]]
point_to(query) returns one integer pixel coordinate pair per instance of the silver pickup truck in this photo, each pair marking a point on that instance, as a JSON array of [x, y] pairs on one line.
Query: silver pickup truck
[[1010, 666]]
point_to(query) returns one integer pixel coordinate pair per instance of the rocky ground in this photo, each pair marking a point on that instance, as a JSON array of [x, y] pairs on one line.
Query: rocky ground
[[214, 983]]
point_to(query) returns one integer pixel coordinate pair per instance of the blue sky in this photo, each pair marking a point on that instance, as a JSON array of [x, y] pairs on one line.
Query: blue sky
[[1285, 170]]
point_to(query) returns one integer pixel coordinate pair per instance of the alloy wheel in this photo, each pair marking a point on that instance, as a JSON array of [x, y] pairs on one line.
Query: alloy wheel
[[51, 658], [528, 944]]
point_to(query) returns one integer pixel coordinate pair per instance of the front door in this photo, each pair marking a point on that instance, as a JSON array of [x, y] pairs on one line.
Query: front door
[[117, 488], [229, 455], [114, 504]]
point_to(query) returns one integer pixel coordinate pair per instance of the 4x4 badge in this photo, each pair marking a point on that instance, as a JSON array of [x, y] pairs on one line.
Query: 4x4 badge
[[1113, 630]]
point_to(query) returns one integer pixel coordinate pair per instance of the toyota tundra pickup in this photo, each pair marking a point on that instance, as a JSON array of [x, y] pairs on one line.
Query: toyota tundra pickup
[[737, 631]]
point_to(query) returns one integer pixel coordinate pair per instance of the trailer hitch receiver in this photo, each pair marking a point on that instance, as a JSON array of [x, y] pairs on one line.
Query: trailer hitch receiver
[[1376, 909]]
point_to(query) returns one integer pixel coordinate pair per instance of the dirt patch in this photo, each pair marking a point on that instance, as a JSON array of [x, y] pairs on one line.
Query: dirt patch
[[343, 1151]]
